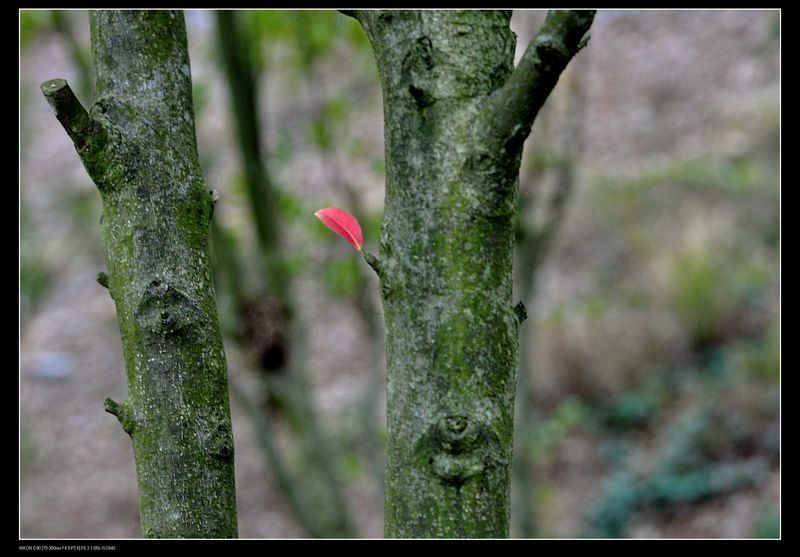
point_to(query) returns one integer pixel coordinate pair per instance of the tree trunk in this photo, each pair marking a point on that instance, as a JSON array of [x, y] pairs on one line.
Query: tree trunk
[[534, 237], [138, 146], [236, 53], [456, 113], [313, 491]]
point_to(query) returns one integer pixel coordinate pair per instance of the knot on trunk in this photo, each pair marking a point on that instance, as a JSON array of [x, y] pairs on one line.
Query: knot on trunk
[[460, 445], [418, 66], [164, 310], [220, 442], [457, 434]]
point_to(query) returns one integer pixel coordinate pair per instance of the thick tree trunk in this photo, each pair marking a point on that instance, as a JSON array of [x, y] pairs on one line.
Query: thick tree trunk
[[456, 114], [138, 145]]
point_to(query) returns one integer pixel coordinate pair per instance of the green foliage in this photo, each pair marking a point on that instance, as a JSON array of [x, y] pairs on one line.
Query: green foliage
[[543, 159], [596, 305], [35, 274], [31, 23], [320, 133], [337, 109], [690, 249], [732, 175], [294, 264], [342, 276], [378, 167], [621, 496], [351, 465], [356, 147], [35, 279], [284, 149], [682, 475], [710, 287], [28, 448], [311, 34], [371, 226], [324, 128], [698, 485], [631, 410], [290, 205], [84, 206], [546, 435], [200, 95], [762, 358], [684, 448], [238, 185], [697, 298], [697, 458], [768, 523]]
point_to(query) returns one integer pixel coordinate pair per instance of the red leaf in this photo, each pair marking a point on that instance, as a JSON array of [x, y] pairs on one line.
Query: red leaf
[[343, 223]]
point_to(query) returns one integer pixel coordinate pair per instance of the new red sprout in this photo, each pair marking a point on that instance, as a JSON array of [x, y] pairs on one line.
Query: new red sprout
[[344, 224]]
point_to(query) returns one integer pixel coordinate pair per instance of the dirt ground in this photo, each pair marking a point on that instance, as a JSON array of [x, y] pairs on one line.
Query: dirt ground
[[661, 85]]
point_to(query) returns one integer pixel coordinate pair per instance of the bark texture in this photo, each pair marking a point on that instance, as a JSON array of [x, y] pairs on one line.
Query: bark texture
[[456, 113], [138, 145]]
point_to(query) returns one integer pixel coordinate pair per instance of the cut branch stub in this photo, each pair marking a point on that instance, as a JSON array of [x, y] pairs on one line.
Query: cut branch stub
[[123, 412], [521, 312], [87, 134], [77, 122]]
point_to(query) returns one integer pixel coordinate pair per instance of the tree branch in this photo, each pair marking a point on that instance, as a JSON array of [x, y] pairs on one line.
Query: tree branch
[[86, 133], [123, 412], [373, 262], [69, 111], [510, 110], [112, 407], [521, 312]]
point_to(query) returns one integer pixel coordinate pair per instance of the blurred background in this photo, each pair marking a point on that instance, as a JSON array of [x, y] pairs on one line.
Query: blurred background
[[648, 256]]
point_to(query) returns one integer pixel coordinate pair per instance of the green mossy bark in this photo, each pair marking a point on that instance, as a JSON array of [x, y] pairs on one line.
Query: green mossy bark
[[456, 113], [139, 147]]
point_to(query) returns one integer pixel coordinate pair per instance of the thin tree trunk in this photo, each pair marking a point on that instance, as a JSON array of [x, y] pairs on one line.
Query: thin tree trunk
[[138, 145], [456, 113], [534, 239], [324, 511], [238, 65]]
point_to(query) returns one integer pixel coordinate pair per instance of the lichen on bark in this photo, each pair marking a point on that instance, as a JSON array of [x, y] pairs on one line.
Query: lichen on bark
[[455, 114], [138, 145]]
